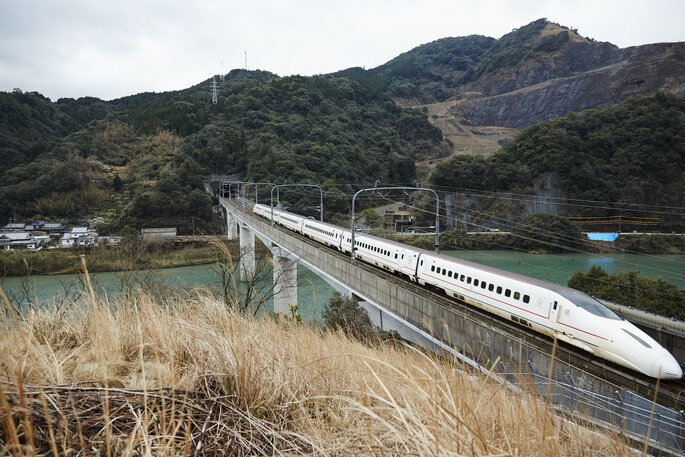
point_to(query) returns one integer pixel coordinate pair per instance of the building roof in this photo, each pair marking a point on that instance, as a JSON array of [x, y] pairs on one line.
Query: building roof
[[15, 236], [15, 225]]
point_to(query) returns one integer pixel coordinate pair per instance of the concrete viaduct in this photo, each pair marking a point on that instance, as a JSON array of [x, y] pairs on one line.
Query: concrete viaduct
[[434, 321]]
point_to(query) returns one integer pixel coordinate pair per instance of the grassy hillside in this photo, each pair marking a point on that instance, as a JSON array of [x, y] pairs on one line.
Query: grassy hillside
[[159, 377]]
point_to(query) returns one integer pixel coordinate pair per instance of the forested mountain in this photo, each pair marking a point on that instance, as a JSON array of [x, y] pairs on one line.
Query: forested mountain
[[480, 91], [628, 154], [139, 160]]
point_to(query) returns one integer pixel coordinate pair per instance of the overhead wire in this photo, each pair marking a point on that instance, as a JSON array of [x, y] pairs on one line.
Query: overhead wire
[[635, 288], [528, 229], [532, 231], [667, 273]]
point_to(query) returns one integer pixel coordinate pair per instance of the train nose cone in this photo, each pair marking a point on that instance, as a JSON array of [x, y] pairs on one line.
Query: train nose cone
[[666, 367]]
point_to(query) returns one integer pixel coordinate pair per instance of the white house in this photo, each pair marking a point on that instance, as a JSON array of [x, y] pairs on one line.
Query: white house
[[21, 240], [79, 236]]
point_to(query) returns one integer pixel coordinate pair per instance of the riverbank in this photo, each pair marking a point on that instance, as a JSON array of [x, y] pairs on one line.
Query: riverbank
[[656, 243], [161, 376], [131, 255]]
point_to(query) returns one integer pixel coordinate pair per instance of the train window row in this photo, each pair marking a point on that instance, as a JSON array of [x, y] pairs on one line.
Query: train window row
[[322, 231], [289, 219], [482, 284], [374, 248]]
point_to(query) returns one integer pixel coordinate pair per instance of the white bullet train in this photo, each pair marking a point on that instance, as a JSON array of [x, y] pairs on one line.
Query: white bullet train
[[567, 314]]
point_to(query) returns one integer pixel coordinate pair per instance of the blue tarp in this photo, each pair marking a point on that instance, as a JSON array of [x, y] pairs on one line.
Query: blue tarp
[[602, 236]]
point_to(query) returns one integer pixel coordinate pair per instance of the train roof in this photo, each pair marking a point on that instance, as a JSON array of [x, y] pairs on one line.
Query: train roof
[[578, 297], [507, 274], [391, 242]]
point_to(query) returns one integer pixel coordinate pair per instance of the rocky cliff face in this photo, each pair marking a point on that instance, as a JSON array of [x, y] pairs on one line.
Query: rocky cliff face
[[585, 77], [519, 81]]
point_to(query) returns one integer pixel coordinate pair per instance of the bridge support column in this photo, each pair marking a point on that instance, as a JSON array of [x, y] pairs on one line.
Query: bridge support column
[[285, 282], [247, 254], [232, 226]]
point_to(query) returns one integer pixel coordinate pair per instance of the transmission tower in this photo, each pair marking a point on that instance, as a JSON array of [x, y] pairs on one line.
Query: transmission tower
[[213, 86], [245, 60]]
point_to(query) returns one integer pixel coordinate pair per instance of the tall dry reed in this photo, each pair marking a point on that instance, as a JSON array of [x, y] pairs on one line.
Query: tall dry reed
[[190, 377]]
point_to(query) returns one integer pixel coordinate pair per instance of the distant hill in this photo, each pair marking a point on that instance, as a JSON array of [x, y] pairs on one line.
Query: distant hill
[[480, 90], [630, 155], [139, 160], [62, 160]]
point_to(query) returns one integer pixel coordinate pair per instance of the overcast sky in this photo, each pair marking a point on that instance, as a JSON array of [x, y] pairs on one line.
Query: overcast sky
[[113, 48]]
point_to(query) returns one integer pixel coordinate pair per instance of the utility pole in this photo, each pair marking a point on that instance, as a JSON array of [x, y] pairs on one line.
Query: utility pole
[[213, 86], [245, 60]]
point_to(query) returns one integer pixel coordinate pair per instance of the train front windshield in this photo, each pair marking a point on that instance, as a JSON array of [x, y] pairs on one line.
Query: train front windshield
[[589, 304]]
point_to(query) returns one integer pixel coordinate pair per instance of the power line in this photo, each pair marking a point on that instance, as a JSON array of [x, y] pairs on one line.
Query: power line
[[564, 202], [532, 231]]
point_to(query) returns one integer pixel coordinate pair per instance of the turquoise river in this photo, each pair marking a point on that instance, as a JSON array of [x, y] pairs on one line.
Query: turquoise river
[[313, 292]]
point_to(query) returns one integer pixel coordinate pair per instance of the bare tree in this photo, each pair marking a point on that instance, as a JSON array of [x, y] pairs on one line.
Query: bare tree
[[130, 257], [249, 296]]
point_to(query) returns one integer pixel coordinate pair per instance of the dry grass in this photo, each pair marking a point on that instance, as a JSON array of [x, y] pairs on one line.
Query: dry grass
[[162, 377]]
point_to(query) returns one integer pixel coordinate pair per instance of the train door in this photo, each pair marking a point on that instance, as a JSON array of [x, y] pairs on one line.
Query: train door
[[408, 260], [554, 311]]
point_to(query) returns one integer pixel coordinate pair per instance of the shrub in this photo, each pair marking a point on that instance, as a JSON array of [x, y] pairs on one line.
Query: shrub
[[546, 232], [344, 313], [647, 293]]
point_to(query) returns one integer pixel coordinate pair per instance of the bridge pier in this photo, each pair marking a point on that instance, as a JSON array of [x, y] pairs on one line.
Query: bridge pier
[[247, 254], [231, 226], [285, 281]]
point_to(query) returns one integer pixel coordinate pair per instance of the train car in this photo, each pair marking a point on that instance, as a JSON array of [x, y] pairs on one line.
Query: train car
[[389, 255], [567, 314], [262, 210], [322, 232], [290, 221]]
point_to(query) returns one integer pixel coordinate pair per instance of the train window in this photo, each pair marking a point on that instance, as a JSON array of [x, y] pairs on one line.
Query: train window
[[526, 299], [483, 284], [507, 293], [475, 282], [491, 287], [462, 278], [468, 280], [395, 255], [588, 303], [421, 262], [449, 274], [517, 295], [432, 267]]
